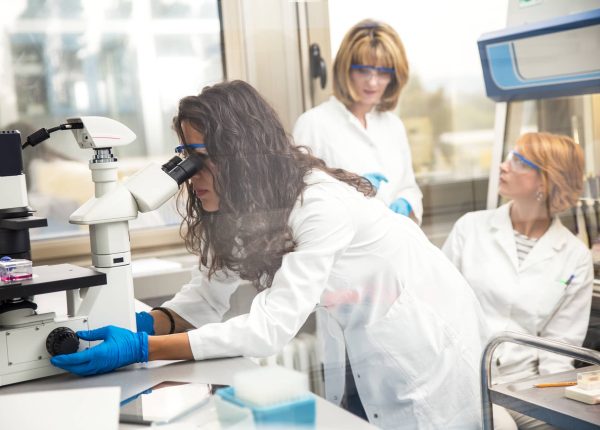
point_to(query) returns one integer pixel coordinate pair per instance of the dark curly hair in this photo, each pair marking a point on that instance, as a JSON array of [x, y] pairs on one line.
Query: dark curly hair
[[258, 176]]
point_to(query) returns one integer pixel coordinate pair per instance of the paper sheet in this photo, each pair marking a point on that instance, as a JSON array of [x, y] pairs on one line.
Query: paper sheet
[[88, 408]]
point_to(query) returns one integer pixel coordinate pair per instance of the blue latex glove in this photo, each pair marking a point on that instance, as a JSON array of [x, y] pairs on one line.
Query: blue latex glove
[[144, 322], [120, 348], [375, 179], [401, 206]]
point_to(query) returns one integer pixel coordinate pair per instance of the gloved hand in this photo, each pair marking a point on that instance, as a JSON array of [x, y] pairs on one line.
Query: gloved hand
[[120, 348], [375, 179], [144, 322], [401, 206]]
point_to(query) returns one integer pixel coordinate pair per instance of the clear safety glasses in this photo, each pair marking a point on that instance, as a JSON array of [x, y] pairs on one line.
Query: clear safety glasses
[[366, 73], [519, 163]]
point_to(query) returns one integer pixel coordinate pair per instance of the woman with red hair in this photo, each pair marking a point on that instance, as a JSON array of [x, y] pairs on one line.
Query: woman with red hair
[[529, 272]]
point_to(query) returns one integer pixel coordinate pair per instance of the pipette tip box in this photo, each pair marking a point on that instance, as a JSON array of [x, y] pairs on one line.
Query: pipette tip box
[[299, 412]]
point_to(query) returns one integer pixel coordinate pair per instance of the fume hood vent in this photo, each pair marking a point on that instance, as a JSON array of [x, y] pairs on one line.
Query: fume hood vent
[[552, 58]]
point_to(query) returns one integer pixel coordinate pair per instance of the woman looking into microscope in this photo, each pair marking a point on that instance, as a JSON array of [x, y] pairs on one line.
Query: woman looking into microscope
[[266, 211]]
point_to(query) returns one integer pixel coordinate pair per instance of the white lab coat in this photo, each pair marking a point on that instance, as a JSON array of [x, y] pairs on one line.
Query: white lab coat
[[335, 135], [409, 321], [529, 298]]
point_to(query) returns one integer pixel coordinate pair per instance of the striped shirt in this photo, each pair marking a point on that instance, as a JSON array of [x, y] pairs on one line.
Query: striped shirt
[[524, 245]]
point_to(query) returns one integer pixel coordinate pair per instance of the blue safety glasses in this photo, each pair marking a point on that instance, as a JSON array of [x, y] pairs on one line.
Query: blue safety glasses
[[184, 151], [367, 72], [519, 163], [182, 148]]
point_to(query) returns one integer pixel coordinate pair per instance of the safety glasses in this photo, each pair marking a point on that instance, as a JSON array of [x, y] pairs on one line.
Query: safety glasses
[[519, 163], [366, 73], [183, 150]]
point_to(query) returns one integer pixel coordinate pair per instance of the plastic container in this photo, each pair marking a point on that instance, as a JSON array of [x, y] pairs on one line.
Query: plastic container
[[300, 412], [14, 270], [589, 380], [591, 397]]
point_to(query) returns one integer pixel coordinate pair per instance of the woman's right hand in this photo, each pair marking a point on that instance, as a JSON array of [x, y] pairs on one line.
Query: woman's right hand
[[120, 347]]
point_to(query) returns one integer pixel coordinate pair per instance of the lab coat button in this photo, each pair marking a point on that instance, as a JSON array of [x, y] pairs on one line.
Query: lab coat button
[[375, 415], [498, 361], [358, 375], [335, 398]]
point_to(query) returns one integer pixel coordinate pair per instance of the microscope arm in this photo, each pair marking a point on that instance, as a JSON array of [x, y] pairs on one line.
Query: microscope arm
[[145, 191]]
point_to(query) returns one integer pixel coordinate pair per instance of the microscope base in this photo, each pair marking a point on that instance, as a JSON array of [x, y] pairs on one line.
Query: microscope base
[[23, 354]]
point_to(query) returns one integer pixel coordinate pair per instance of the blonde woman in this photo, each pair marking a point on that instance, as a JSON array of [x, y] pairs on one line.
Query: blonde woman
[[529, 272], [355, 129]]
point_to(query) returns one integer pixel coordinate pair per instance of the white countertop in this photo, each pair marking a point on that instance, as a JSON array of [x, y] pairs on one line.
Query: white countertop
[[134, 380]]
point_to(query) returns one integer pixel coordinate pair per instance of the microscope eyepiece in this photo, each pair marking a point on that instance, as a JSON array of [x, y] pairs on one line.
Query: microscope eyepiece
[[186, 169], [169, 165]]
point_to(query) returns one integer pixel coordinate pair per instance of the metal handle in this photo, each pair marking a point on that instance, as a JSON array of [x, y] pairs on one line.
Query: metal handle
[[583, 354], [318, 68]]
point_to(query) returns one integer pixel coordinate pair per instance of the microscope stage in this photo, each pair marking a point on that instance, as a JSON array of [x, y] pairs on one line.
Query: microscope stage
[[49, 279]]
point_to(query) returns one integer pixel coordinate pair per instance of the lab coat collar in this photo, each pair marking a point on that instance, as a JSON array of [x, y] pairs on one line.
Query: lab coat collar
[[350, 116], [502, 232], [341, 107], [551, 242], [548, 245]]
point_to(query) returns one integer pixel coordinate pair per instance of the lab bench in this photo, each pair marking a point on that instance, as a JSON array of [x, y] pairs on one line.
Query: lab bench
[[218, 371]]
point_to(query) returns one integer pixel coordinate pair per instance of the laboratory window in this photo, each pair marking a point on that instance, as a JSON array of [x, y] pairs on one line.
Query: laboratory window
[[128, 60]]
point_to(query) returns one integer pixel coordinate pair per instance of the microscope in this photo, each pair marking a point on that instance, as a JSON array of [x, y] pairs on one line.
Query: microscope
[[97, 296]]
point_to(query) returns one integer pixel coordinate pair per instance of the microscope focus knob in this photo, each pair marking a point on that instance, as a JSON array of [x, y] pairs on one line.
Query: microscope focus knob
[[62, 340]]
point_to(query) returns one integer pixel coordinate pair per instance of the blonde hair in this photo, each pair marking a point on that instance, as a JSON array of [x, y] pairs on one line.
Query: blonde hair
[[371, 43], [561, 166]]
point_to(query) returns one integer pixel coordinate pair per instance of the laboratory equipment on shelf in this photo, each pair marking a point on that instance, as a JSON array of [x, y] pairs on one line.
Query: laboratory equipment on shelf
[[97, 297], [546, 405]]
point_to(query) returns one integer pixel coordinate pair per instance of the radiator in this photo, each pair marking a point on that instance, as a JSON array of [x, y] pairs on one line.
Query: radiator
[[300, 354]]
